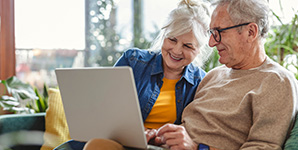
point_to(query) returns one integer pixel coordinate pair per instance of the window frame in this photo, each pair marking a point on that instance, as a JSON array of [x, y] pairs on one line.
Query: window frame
[[7, 39]]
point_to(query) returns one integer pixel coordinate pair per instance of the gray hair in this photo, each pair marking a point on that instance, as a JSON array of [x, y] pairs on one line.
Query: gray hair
[[244, 11], [188, 16]]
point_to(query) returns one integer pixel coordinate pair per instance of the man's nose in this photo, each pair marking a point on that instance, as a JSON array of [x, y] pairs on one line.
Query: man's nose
[[212, 41]]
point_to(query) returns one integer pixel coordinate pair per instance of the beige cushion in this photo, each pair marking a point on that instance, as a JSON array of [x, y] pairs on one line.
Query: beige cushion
[[56, 131]]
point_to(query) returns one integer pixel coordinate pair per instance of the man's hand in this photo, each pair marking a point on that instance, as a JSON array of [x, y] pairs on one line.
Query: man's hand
[[175, 137]]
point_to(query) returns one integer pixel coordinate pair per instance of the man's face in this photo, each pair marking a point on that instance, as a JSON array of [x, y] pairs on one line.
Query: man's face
[[232, 47]]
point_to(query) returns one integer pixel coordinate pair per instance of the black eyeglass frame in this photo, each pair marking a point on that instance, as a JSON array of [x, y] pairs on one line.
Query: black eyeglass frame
[[211, 31]]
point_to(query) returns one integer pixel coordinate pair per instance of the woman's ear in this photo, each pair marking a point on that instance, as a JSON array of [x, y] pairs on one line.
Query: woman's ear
[[253, 31]]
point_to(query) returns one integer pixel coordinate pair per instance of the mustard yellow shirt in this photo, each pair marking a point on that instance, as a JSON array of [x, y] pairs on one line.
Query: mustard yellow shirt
[[164, 109]]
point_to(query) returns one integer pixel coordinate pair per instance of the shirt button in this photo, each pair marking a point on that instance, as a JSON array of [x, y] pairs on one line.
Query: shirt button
[[179, 101], [178, 87]]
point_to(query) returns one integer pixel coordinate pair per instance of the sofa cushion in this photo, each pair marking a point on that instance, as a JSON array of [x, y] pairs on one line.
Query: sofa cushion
[[16, 122], [22, 131], [56, 131], [292, 141]]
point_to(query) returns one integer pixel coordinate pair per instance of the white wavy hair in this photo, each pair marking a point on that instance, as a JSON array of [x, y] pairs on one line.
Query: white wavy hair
[[188, 16], [243, 11]]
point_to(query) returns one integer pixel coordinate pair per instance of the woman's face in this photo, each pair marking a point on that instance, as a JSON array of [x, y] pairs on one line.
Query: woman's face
[[178, 52]]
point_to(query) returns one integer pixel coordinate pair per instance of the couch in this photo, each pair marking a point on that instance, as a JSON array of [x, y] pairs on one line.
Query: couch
[[14, 126]]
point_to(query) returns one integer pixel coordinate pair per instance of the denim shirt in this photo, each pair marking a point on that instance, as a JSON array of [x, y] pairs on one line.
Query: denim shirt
[[148, 74]]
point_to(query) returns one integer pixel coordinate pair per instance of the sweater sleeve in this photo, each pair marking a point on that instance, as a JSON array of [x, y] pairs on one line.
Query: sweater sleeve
[[272, 108]]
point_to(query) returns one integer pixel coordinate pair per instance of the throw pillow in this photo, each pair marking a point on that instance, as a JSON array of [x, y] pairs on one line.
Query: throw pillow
[[56, 131]]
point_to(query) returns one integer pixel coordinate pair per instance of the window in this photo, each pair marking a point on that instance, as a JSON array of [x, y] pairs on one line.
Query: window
[[48, 34], [64, 33], [67, 33]]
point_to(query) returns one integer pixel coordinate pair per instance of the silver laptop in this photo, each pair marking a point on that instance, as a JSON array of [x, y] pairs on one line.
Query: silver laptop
[[102, 103]]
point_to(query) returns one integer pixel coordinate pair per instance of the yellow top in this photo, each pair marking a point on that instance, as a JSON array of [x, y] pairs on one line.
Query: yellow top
[[164, 109]]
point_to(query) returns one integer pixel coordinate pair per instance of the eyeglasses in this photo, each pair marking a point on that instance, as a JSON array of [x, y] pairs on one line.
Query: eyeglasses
[[216, 32]]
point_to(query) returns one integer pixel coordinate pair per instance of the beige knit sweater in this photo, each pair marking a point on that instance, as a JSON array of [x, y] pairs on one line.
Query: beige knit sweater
[[243, 109]]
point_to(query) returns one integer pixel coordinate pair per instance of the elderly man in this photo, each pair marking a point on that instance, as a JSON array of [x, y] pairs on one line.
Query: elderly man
[[250, 101]]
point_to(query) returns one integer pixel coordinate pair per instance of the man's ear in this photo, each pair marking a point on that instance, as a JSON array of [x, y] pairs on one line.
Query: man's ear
[[253, 31]]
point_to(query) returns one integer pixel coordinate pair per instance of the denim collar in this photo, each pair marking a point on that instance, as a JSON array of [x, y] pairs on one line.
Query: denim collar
[[187, 72]]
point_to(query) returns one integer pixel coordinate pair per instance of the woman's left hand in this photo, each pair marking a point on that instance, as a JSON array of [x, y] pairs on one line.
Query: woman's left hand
[[176, 137], [150, 134]]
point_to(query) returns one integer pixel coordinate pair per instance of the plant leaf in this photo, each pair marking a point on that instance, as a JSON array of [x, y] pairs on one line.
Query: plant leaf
[[8, 98], [17, 88], [10, 103]]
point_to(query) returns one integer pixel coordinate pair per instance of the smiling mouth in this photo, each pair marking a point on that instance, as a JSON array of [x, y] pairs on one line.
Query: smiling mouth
[[175, 58], [220, 49]]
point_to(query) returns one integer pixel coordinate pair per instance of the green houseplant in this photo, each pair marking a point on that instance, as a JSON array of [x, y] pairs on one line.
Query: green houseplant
[[282, 44], [21, 97]]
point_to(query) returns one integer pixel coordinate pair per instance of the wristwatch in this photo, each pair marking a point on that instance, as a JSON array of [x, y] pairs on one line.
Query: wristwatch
[[203, 147]]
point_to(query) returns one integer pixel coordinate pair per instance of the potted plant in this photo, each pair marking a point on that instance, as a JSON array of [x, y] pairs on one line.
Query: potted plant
[[20, 97]]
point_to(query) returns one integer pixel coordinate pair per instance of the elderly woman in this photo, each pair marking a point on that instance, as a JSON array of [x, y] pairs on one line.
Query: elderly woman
[[165, 77]]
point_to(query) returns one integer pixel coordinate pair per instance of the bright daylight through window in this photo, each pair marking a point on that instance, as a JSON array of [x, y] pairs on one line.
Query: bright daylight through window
[[65, 33]]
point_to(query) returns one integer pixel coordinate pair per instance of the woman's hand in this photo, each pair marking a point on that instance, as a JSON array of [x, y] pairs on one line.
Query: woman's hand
[[150, 134], [152, 138], [175, 137]]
